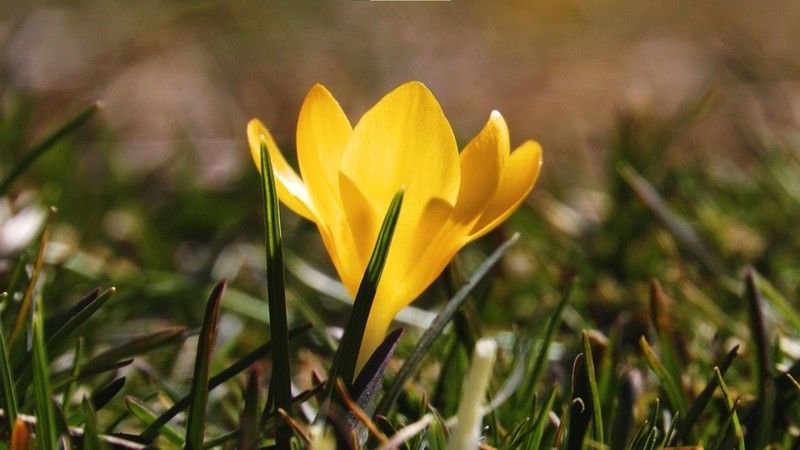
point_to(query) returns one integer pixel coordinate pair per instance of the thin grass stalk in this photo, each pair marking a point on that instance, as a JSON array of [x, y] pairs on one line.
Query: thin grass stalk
[[667, 382], [46, 435], [147, 416], [553, 322], [535, 439], [250, 419], [49, 142], [280, 382], [597, 416], [196, 421], [91, 435], [762, 421], [37, 270], [684, 427], [6, 374], [732, 407], [76, 369]]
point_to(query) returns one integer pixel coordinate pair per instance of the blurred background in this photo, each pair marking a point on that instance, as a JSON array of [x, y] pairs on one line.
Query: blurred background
[[158, 197], [176, 74]]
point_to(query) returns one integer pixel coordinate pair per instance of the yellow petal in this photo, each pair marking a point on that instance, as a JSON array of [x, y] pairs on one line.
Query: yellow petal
[[516, 182], [408, 272], [482, 161], [414, 258], [322, 133], [403, 141], [481, 164], [362, 220], [374, 333], [291, 190]]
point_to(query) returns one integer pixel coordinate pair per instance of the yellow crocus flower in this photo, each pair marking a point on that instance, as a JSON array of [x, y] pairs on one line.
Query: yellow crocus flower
[[350, 174]]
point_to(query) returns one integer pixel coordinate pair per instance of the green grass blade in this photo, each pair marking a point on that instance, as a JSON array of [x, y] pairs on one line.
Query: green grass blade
[[667, 382], [651, 440], [196, 421], [146, 415], [729, 402], [344, 365], [7, 375], [622, 420], [553, 322], [250, 421], [280, 382], [32, 284], [760, 422], [722, 429], [139, 345], [229, 372], [46, 144], [219, 441], [101, 397], [646, 433], [61, 380], [52, 324], [46, 438], [638, 439], [597, 416], [661, 320], [785, 309], [91, 434], [579, 406], [59, 338], [535, 439], [76, 369], [435, 329], [685, 426], [516, 434], [683, 232], [437, 438], [670, 431], [73, 323]]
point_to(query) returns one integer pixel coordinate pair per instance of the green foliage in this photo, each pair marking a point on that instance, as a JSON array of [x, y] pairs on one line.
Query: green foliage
[[685, 282]]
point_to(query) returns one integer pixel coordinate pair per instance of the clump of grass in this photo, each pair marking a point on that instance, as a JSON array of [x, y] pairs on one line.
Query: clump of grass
[[644, 332]]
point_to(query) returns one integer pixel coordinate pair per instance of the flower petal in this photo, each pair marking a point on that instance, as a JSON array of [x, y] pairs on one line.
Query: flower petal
[[411, 266], [374, 333], [482, 162], [291, 190], [362, 221], [403, 141], [414, 258], [322, 133], [519, 175]]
